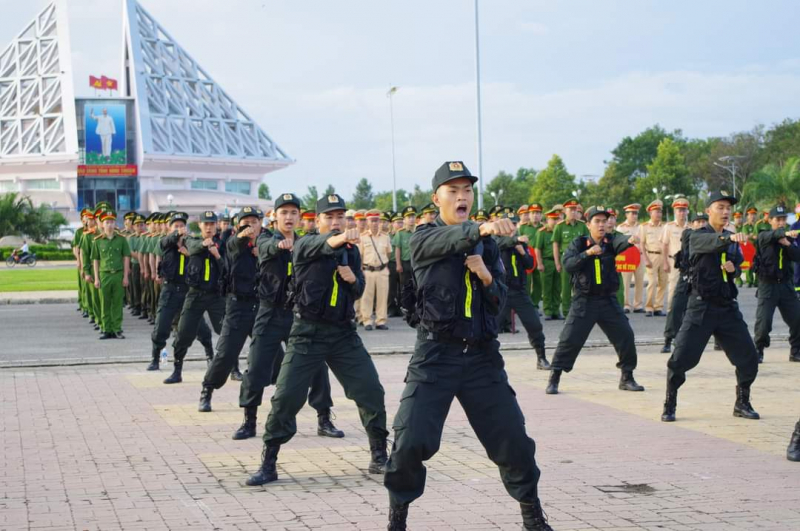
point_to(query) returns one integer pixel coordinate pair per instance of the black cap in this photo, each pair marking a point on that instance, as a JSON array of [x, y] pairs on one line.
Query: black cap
[[497, 209], [249, 211], [596, 211], [449, 171], [209, 216], [778, 211], [224, 217], [179, 216], [409, 211], [722, 195], [700, 215], [329, 203], [288, 199]]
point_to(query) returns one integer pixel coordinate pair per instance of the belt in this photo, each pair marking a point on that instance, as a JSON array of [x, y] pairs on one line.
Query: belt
[[654, 252], [111, 270], [443, 338], [374, 268]]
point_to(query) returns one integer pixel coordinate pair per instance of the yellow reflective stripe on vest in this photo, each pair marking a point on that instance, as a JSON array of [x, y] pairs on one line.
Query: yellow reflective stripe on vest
[[724, 273], [180, 268], [514, 264], [468, 299], [598, 278], [780, 258], [208, 270], [335, 294], [289, 270]]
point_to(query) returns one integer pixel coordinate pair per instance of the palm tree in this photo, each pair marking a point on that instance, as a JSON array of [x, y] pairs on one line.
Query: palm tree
[[13, 208], [774, 184]]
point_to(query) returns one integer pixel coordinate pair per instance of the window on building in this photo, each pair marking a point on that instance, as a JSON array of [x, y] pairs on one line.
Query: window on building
[[173, 181], [8, 186], [238, 187], [41, 184], [202, 184]]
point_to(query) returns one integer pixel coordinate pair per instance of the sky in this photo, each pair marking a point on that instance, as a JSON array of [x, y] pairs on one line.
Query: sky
[[558, 77]]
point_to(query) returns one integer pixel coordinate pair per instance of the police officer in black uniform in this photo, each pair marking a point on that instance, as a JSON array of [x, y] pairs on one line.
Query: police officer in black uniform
[[715, 257], [516, 260], [202, 277], [172, 270], [273, 323], [776, 252], [591, 262], [460, 292], [328, 280]]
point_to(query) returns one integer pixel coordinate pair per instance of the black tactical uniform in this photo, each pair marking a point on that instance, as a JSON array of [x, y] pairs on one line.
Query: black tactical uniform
[[595, 283], [324, 332], [518, 298], [240, 282], [172, 269], [681, 296], [272, 326], [202, 277], [776, 287], [457, 356], [713, 310]]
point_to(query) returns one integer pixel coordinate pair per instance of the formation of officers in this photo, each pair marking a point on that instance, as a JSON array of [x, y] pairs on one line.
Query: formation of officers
[[308, 280]]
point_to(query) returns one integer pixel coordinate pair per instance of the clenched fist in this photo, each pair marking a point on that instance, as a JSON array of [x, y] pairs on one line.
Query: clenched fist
[[286, 245], [474, 263], [739, 237], [248, 232], [346, 273], [500, 227]]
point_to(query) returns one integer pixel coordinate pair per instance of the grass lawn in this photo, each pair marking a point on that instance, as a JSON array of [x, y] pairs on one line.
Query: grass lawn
[[26, 279]]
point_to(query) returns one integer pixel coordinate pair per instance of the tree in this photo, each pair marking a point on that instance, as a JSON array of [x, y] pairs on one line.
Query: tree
[[515, 188], [632, 155], [310, 199], [667, 173], [363, 197], [775, 184], [263, 192], [419, 197], [330, 190], [781, 143], [12, 213], [18, 216], [553, 185], [383, 200]]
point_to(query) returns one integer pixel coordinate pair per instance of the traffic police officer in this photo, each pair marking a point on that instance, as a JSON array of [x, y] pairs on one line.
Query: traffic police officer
[[172, 271], [671, 244], [273, 324], [651, 235], [631, 227], [328, 281], [591, 261], [776, 253], [111, 257], [202, 277], [714, 256], [564, 233], [460, 293]]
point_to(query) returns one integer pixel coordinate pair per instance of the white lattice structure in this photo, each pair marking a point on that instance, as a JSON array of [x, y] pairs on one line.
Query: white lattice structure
[[37, 105]]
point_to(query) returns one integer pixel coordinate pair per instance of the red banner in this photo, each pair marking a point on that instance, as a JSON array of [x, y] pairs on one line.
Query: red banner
[[628, 261], [533, 255], [102, 83], [749, 253], [129, 170]]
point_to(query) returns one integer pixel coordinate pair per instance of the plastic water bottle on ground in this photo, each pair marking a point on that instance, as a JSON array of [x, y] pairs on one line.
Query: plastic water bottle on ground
[[164, 356]]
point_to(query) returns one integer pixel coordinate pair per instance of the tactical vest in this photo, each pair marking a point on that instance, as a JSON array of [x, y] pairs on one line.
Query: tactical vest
[[204, 270], [321, 294], [709, 280], [774, 264], [275, 278], [598, 274], [242, 274], [173, 265]]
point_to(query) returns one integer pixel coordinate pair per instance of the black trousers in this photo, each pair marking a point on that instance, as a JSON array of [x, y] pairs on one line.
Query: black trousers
[[393, 308], [197, 303], [136, 286], [782, 296], [675, 316], [266, 354], [240, 315], [438, 373], [704, 319], [584, 313], [170, 303], [519, 301]]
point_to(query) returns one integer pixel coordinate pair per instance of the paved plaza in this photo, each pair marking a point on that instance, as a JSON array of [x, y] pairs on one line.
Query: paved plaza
[[109, 447]]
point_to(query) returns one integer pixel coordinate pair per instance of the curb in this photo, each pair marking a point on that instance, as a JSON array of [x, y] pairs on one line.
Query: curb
[[45, 300]]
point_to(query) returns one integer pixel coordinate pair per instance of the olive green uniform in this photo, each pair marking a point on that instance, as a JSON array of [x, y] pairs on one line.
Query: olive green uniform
[[551, 283], [535, 278], [91, 294], [111, 254], [76, 241], [402, 241], [563, 235]]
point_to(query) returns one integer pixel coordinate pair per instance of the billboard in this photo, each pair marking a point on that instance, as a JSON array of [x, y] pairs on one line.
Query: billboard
[[105, 133]]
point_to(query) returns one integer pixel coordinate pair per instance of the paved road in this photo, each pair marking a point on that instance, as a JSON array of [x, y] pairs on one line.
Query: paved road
[[55, 333]]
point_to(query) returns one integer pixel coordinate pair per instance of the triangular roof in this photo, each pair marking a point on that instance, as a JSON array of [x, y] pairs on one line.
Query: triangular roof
[[37, 103], [183, 112]]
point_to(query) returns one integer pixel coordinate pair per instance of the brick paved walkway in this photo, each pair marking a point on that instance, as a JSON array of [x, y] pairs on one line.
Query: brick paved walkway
[[111, 448]]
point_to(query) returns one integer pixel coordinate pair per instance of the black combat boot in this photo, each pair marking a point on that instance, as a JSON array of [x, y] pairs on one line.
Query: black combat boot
[[397, 518], [761, 354], [108, 335], [671, 402], [541, 360], [377, 462], [533, 517], [205, 399], [248, 427], [793, 452], [154, 364], [667, 348], [627, 383], [552, 384], [85, 314], [325, 427], [175, 377], [143, 315], [794, 356], [268, 471], [717, 346], [742, 407]]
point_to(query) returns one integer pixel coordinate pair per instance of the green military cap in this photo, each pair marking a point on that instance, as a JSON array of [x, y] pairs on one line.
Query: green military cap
[[430, 208], [225, 217], [209, 216], [152, 216], [535, 207], [138, 219], [397, 216], [409, 211], [721, 195], [108, 214], [386, 216], [508, 212], [778, 211], [105, 205], [287, 199], [178, 216], [130, 215], [330, 203], [450, 171], [249, 212], [596, 211], [481, 215], [497, 209]]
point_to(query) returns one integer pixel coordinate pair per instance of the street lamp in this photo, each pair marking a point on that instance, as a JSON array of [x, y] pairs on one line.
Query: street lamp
[[732, 168], [576, 194], [389, 95], [496, 196], [170, 198], [478, 106]]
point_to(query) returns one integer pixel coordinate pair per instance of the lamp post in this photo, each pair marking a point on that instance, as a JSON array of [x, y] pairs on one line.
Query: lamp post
[[731, 168], [389, 95], [478, 106], [496, 196], [170, 198]]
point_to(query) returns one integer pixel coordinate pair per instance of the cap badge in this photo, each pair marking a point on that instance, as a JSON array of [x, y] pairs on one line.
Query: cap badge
[[333, 199], [456, 166], [209, 213], [287, 197], [601, 208], [724, 192]]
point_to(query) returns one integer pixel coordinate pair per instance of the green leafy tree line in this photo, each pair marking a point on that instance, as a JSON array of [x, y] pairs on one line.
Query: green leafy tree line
[[19, 217]]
